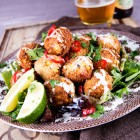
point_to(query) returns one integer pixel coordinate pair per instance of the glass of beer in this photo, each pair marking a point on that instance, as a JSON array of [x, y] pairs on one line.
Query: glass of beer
[[95, 11]]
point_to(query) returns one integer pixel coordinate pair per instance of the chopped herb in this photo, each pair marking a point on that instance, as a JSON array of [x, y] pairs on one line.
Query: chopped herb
[[43, 36], [97, 56], [54, 83], [92, 35], [2, 65], [91, 50], [36, 53], [84, 45]]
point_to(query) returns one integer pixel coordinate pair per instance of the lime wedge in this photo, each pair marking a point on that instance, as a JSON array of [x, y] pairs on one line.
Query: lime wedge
[[11, 99], [7, 75], [34, 103]]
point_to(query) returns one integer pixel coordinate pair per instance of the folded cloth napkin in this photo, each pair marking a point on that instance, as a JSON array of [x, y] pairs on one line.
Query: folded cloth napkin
[[125, 128]]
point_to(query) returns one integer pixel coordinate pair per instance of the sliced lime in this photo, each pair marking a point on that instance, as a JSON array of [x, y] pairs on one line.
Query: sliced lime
[[7, 75], [34, 103], [11, 99]]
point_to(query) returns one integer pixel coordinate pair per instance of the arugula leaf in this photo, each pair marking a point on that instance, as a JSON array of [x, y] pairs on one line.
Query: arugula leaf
[[117, 76], [54, 83], [14, 113], [99, 111], [96, 114], [100, 108], [122, 80], [131, 65], [120, 92], [43, 36], [35, 53], [132, 76], [2, 65]]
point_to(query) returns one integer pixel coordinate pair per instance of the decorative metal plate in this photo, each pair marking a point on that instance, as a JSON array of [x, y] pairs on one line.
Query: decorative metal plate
[[131, 103]]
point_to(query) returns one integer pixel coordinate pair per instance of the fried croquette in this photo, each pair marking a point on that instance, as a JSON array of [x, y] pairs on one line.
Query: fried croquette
[[59, 41], [109, 41], [112, 59], [22, 57], [78, 69], [61, 91], [48, 67], [99, 85]]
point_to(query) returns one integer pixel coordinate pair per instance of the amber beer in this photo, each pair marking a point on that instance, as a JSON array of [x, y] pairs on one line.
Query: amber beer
[[95, 11]]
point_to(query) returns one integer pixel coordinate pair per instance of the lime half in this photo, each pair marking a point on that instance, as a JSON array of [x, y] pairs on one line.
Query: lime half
[[34, 103], [11, 99]]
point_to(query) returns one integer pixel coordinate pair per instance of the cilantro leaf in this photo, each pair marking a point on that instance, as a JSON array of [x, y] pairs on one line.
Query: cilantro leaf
[[54, 83], [84, 45], [43, 36], [97, 56], [134, 53], [91, 50], [92, 35], [35, 53]]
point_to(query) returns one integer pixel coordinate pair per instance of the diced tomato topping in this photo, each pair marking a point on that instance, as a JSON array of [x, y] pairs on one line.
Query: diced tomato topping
[[101, 64], [80, 89], [66, 58], [51, 29], [46, 53], [76, 46], [88, 111], [16, 76]]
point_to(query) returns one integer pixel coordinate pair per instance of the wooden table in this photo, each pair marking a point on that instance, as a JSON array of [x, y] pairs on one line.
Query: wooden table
[[25, 24]]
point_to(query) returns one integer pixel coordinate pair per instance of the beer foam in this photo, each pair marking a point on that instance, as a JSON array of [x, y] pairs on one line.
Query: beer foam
[[93, 3]]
